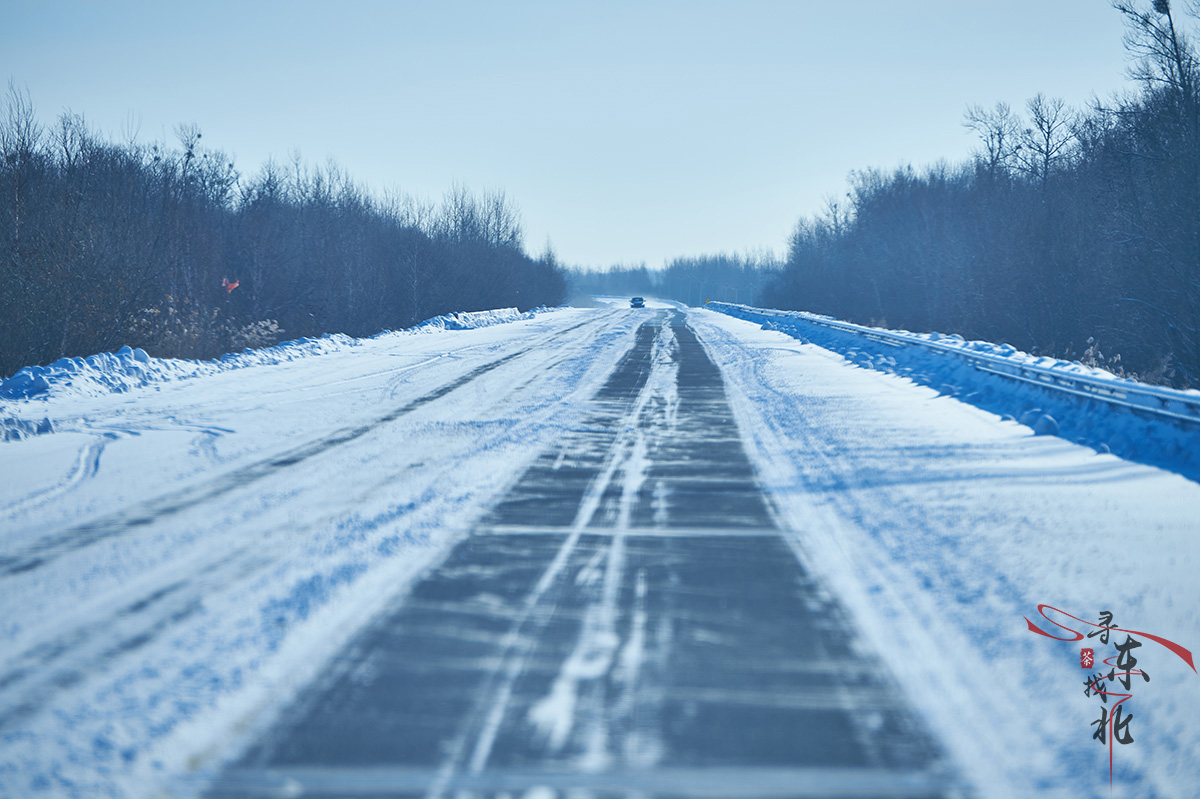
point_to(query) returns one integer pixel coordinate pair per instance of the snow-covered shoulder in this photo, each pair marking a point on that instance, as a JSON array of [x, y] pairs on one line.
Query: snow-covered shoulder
[[1150, 424], [942, 527], [129, 368]]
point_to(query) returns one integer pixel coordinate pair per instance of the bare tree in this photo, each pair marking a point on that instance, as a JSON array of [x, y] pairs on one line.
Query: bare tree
[[998, 131], [459, 217], [1164, 56], [1048, 142], [501, 221], [104, 244], [20, 132]]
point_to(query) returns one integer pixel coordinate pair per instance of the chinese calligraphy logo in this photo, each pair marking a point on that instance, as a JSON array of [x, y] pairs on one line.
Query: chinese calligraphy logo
[[1114, 722]]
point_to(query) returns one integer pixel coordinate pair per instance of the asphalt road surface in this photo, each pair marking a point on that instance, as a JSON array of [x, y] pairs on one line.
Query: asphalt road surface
[[629, 621]]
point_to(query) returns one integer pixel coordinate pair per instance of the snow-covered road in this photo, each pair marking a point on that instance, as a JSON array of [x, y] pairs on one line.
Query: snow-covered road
[[629, 620], [182, 562], [177, 559]]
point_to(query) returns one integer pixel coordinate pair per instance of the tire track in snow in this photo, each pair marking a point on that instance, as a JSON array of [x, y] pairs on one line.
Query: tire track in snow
[[34, 675], [521, 639], [472, 744], [51, 547], [86, 465], [579, 690]]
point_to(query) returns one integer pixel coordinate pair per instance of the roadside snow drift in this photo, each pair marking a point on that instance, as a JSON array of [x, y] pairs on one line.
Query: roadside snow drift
[[129, 368], [1092, 407]]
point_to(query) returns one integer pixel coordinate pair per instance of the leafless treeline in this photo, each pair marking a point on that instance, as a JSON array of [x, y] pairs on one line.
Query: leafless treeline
[[1073, 232], [691, 280], [105, 244]]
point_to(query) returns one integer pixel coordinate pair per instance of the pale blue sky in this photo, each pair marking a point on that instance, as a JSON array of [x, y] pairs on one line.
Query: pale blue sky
[[625, 131]]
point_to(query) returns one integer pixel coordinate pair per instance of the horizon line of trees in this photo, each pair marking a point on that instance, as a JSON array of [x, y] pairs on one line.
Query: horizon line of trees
[[1071, 232], [738, 277], [107, 244]]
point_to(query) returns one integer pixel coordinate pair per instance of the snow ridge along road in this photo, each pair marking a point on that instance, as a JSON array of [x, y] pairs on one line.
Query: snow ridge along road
[[628, 620], [1090, 406]]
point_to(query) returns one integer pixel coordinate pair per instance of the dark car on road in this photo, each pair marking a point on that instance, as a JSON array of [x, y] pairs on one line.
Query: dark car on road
[[637, 302]]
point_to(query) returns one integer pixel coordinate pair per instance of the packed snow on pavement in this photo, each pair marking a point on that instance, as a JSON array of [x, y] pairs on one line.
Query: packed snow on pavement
[[180, 556]]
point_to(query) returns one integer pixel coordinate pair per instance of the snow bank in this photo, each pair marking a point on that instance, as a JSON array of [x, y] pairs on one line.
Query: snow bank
[[1088, 406], [470, 320], [14, 429], [128, 368]]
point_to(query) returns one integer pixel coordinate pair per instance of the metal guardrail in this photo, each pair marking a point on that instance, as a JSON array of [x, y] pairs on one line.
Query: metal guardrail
[[1158, 401]]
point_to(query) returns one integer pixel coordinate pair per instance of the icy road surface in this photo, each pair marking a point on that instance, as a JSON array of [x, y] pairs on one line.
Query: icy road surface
[[632, 553]]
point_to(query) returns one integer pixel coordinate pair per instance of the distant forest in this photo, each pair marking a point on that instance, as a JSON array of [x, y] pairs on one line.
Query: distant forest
[[1073, 233], [735, 278], [172, 250]]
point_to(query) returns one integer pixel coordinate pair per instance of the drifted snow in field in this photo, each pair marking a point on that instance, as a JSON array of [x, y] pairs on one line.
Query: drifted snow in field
[[942, 527]]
